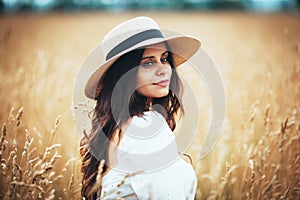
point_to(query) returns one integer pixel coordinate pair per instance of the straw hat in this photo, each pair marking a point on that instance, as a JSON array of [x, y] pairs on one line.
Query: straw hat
[[133, 34]]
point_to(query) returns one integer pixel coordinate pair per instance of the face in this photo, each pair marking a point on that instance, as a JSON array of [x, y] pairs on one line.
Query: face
[[154, 73]]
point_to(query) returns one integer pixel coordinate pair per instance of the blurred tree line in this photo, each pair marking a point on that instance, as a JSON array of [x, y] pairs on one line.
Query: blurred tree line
[[44, 5]]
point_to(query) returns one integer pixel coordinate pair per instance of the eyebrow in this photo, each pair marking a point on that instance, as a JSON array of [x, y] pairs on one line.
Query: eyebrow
[[143, 58]]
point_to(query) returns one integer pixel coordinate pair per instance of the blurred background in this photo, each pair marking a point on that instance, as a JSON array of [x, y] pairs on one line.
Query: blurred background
[[255, 45], [46, 5]]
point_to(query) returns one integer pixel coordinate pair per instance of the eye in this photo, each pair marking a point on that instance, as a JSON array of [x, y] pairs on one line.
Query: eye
[[164, 60], [147, 64]]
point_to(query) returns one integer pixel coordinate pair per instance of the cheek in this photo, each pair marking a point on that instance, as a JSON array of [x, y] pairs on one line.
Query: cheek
[[144, 77], [144, 90], [169, 72], [143, 84]]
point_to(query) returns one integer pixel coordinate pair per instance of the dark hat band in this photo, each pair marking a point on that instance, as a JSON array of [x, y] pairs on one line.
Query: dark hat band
[[133, 40]]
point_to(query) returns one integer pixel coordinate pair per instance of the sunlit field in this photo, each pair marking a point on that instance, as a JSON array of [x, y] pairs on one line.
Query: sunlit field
[[257, 55]]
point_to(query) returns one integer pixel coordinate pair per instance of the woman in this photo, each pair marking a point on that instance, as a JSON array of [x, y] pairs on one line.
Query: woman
[[138, 99]]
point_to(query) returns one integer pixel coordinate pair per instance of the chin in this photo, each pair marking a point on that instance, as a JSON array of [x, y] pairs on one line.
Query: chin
[[160, 94], [154, 93]]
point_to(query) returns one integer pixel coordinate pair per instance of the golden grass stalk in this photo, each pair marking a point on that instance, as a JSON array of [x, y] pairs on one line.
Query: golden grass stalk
[[97, 186], [26, 174]]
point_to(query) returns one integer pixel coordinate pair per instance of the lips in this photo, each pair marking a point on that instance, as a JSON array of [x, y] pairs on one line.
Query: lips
[[162, 83]]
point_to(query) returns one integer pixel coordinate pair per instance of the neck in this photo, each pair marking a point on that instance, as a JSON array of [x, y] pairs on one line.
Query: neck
[[149, 103]]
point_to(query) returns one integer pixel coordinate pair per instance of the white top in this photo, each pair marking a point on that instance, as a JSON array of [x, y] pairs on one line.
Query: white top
[[148, 164]]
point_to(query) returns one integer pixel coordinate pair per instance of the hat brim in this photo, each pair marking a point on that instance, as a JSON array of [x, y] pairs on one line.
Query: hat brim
[[181, 47]]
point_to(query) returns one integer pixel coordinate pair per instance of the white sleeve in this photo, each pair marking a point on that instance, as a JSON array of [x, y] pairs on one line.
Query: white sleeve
[[162, 184]]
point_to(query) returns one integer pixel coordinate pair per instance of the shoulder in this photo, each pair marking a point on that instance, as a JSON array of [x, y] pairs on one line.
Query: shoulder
[[150, 121], [149, 128], [148, 143]]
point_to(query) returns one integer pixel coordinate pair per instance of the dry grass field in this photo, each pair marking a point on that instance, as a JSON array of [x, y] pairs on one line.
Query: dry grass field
[[257, 56]]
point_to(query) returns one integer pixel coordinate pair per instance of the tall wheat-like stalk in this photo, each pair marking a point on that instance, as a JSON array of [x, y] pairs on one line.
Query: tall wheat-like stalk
[[25, 173]]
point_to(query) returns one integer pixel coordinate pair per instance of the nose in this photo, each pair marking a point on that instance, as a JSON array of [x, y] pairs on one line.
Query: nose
[[162, 69]]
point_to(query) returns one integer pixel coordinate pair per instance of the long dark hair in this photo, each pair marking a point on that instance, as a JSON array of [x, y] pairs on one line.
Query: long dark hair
[[110, 114]]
